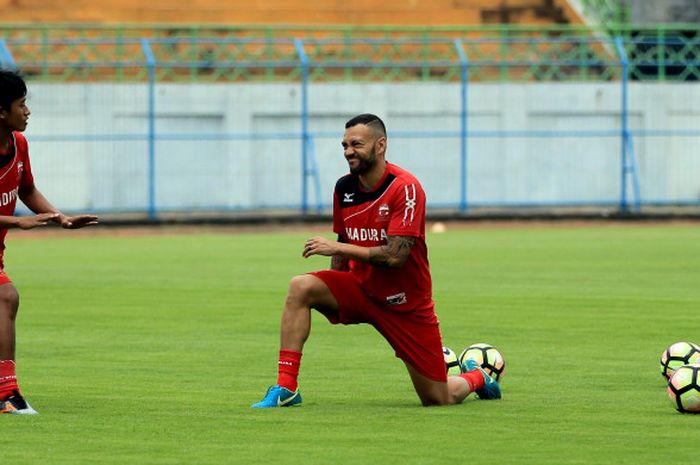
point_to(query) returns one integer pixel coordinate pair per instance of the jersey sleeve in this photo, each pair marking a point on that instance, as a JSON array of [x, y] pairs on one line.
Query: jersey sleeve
[[408, 210]]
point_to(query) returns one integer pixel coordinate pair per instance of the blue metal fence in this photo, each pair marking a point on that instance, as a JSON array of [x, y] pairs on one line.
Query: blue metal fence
[[614, 53]]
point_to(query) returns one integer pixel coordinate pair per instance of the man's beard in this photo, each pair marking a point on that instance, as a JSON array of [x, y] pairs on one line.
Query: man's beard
[[365, 165]]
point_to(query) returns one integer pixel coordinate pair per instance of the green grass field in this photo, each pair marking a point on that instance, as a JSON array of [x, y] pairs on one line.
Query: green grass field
[[150, 349]]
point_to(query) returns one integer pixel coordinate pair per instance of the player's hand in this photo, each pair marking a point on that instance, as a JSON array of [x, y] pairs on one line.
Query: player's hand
[[31, 222], [319, 246], [78, 221]]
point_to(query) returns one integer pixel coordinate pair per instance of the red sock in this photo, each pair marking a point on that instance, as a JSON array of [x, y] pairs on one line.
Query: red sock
[[474, 378], [288, 369], [8, 378]]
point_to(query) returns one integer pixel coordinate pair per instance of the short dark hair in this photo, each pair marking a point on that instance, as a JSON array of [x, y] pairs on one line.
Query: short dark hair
[[368, 119], [12, 87]]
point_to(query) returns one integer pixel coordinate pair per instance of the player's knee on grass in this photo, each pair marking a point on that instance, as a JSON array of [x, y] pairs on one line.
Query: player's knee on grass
[[434, 398], [430, 392]]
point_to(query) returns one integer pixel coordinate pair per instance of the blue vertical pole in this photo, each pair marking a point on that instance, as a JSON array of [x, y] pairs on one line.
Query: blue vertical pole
[[304, 61], [623, 124], [6, 59], [151, 64], [635, 174], [464, 79], [628, 159]]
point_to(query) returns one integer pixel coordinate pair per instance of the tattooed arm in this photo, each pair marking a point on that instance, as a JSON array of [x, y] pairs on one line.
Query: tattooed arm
[[393, 254]]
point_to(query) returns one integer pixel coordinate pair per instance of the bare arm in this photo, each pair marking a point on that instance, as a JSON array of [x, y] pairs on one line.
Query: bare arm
[[393, 254], [26, 222], [339, 262], [36, 202]]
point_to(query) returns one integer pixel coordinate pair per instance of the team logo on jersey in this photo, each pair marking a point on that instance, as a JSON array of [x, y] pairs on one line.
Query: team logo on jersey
[[347, 197], [383, 210]]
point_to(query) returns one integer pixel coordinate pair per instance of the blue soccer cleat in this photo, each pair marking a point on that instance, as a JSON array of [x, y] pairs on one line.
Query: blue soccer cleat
[[278, 396], [491, 389]]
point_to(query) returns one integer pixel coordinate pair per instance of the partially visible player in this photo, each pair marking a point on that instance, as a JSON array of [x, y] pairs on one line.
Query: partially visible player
[[16, 181], [379, 275]]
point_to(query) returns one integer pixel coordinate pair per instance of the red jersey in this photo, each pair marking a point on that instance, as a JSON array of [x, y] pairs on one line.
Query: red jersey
[[396, 207], [14, 174]]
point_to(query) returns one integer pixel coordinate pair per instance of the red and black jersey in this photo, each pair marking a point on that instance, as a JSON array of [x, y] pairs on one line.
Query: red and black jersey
[[395, 207], [15, 173]]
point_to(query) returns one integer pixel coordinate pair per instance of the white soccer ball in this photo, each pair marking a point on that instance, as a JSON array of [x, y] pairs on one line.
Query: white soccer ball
[[684, 388], [487, 356], [677, 355], [452, 365]]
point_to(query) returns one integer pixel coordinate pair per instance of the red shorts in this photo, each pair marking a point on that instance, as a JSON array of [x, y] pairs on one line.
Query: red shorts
[[414, 335]]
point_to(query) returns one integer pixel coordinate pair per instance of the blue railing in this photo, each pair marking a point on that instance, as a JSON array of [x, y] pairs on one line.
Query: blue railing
[[310, 55]]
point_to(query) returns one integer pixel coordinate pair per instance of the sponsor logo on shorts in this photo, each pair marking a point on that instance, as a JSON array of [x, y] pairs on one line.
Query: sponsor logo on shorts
[[397, 299]]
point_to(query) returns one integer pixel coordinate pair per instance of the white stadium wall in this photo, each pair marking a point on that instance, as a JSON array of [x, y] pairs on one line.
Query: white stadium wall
[[237, 147]]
